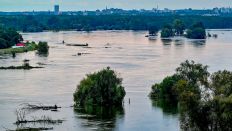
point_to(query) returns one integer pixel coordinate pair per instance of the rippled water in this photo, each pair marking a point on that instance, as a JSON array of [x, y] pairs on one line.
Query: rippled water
[[139, 61]]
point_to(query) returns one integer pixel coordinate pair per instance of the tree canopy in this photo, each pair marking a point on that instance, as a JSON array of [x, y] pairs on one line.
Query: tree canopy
[[102, 88], [196, 31], [43, 47], [9, 37], [204, 100], [108, 22], [167, 31], [179, 27]]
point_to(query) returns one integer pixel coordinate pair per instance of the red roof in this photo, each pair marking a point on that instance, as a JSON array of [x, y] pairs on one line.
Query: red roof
[[20, 44]]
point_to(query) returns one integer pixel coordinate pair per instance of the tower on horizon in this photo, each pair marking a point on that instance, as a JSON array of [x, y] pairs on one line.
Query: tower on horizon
[[56, 9]]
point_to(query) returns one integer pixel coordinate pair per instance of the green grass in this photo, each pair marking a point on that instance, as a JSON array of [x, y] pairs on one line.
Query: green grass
[[29, 47]]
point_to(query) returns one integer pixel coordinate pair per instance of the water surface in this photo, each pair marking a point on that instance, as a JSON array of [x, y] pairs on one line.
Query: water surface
[[139, 61]]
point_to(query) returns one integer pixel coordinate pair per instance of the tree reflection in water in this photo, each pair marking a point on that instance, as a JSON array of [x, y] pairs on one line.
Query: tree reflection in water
[[100, 118], [166, 106], [166, 41], [198, 43]]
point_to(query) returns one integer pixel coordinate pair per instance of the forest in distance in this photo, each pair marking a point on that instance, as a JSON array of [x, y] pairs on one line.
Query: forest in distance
[[39, 23]]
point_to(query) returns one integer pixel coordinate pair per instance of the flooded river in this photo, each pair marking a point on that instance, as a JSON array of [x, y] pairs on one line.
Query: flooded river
[[139, 61]]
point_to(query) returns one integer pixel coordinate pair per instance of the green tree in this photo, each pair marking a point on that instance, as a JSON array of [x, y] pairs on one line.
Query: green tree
[[102, 88], [167, 31], [43, 48], [3, 43], [194, 73], [179, 27], [165, 90], [196, 31], [9, 37], [153, 30]]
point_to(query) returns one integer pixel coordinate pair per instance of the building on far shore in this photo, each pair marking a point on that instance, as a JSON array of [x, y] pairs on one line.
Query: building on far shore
[[56, 9]]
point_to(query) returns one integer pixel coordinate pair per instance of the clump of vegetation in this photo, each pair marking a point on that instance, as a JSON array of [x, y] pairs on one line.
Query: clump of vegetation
[[179, 27], [24, 66], [175, 29], [102, 88], [153, 30], [167, 31], [43, 47], [30, 46], [9, 37], [205, 100], [196, 31]]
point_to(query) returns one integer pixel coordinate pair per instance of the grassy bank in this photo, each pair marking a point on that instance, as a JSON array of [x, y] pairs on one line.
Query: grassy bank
[[30, 46]]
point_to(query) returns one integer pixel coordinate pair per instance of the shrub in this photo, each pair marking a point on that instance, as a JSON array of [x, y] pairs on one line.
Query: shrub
[[101, 88], [167, 31], [196, 31], [43, 47]]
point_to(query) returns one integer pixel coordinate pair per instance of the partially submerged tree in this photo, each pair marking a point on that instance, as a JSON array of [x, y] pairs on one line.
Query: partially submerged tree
[[167, 31], [43, 48], [179, 27], [102, 88], [196, 31], [9, 37], [205, 101]]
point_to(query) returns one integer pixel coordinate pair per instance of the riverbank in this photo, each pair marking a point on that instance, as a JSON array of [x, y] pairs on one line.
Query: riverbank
[[30, 46]]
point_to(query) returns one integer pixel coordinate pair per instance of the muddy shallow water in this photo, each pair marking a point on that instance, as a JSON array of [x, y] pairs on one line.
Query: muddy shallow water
[[139, 61]]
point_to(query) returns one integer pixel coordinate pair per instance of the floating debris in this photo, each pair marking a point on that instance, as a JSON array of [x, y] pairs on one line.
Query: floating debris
[[39, 107], [79, 54], [32, 129], [77, 44], [40, 63]]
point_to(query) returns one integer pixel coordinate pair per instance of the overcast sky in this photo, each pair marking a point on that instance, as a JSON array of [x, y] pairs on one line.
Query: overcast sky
[[29, 5]]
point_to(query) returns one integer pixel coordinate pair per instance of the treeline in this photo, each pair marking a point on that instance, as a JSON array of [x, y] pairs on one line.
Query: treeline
[[106, 22], [9, 37]]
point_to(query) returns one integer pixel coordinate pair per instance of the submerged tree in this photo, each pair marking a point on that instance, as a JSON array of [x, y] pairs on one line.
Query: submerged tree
[[102, 88], [196, 31], [9, 37], [205, 101], [43, 47], [167, 31], [179, 27]]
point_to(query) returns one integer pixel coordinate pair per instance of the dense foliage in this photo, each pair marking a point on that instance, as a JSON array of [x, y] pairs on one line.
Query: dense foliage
[[108, 22], [102, 88], [205, 101], [196, 31], [179, 27], [153, 30], [167, 31], [43, 47], [9, 37]]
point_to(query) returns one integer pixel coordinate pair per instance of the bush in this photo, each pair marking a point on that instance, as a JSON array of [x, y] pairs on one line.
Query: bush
[[167, 31], [9, 37], [101, 88], [196, 31], [3, 43], [165, 90], [43, 47], [204, 100]]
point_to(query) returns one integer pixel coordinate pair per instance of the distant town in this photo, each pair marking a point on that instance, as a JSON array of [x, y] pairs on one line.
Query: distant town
[[223, 11]]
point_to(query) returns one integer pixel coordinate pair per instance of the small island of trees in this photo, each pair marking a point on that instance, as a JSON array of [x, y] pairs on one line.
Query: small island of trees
[[11, 42], [43, 47], [195, 31], [102, 88], [204, 100]]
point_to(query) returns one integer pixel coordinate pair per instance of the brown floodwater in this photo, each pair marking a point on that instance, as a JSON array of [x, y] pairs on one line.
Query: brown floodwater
[[139, 61]]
